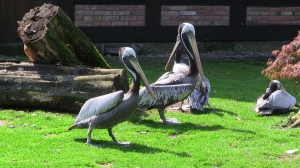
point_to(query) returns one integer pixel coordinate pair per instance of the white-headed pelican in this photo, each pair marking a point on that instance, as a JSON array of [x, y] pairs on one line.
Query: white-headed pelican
[[104, 112], [175, 87]]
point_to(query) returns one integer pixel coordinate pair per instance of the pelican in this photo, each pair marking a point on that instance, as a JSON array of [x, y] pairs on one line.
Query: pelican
[[197, 99], [276, 99], [173, 87], [104, 112]]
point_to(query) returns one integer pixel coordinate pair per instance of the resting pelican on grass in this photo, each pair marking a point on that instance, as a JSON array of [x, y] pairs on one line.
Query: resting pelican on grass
[[175, 87], [197, 99], [276, 99], [104, 112]]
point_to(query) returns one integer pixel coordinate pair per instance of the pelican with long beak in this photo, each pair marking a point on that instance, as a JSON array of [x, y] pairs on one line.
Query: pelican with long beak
[[197, 99], [276, 99], [173, 87], [104, 112]]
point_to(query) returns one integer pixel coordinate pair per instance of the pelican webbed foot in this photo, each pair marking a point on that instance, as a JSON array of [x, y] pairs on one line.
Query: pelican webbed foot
[[92, 144], [170, 121], [115, 140]]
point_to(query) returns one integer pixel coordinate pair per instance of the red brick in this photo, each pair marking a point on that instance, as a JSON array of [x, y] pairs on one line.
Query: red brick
[[110, 18], [83, 13], [111, 7], [287, 13], [92, 18], [186, 17], [120, 23], [121, 12], [128, 18], [90, 7], [169, 13], [212, 18], [100, 7], [137, 13], [268, 13], [194, 8], [204, 13], [103, 13], [224, 8], [178, 7], [127, 7], [253, 13], [102, 23], [221, 13], [187, 13]]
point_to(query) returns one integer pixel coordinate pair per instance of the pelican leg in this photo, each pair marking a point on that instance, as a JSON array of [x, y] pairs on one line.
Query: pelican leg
[[181, 107], [168, 120], [162, 115], [88, 141], [114, 139]]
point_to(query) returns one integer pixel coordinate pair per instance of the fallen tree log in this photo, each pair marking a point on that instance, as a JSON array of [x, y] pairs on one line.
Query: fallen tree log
[[57, 87], [50, 36]]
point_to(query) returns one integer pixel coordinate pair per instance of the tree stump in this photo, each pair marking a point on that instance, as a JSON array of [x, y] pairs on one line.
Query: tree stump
[[57, 87], [50, 36]]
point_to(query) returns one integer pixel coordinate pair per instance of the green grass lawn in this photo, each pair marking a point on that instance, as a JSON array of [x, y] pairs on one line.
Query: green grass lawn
[[229, 134]]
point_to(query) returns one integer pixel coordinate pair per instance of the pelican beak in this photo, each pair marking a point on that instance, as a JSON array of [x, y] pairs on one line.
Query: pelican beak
[[140, 72], [190, 42], [282, 88], [176, 47]]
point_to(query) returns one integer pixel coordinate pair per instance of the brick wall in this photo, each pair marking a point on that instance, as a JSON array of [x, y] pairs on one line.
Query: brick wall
[[134, 15], [110, 15], [196, 15], [273, 16]]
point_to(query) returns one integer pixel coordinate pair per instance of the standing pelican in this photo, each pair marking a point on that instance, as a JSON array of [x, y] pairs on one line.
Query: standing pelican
[[104, 112], [197, 99], [276, 99], [175, 87]]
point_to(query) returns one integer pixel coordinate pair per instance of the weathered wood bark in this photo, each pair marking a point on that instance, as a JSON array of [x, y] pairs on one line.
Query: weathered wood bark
[[50, 36], [294, 121], [63, 88]]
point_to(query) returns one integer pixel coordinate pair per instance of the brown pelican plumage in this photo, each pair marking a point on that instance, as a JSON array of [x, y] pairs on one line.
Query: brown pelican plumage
[[104, 112], [199, 97], [175, 87], [276, 99]]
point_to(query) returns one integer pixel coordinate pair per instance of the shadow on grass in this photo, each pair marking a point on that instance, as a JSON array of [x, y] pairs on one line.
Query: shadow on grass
[[133, 147], [216, 111], [281, 114]]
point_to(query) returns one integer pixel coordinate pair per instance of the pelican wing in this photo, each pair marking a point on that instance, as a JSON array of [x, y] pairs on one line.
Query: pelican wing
[[278, 100], [170, 78], [165, 94], [100, 104]]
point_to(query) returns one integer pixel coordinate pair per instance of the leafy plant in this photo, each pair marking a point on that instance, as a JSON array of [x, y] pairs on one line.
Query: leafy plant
[[287, 62]]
